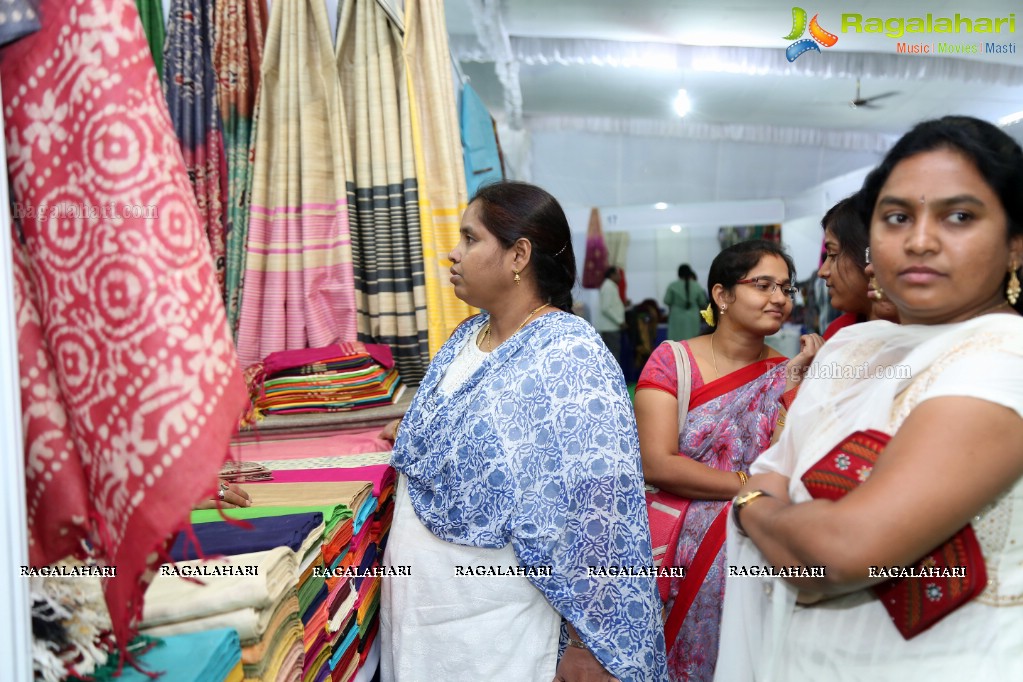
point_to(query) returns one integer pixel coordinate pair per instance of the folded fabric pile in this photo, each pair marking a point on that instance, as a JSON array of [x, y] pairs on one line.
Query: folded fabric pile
[[338, 378], [259, 598], [252, 593], [319, 471], [354, 595], [206, 656], [330, 606]]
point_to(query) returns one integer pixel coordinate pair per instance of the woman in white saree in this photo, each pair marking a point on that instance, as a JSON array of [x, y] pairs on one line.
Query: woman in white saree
[[947, 243]]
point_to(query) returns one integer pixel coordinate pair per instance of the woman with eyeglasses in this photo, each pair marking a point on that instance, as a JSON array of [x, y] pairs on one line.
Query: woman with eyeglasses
[[735, 382]]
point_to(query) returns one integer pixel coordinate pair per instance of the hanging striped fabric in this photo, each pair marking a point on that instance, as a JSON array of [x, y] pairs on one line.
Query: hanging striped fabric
[[439, 166], [298, 286], [387, 244]]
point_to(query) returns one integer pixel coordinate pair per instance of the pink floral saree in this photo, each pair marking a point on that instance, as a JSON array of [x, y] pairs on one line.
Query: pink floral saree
[[730, 422]]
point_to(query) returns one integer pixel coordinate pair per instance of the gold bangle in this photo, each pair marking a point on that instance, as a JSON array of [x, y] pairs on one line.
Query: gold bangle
[[742, 478], [781, 420]]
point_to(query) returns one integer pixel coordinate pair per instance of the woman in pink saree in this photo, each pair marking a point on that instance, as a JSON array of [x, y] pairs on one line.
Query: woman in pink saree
[[736, 381]]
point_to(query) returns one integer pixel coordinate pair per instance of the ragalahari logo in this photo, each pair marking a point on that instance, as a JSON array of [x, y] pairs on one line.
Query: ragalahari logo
[[817, 35]]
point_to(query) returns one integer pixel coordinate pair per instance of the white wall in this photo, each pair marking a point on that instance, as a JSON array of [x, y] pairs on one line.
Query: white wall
[[655, 252], [707, 184]]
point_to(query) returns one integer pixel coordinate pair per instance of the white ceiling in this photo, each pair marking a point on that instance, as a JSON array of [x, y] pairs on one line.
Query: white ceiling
[[544, 49]]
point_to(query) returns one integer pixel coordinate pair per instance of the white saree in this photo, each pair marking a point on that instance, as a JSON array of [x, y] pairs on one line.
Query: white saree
[[766, 635]]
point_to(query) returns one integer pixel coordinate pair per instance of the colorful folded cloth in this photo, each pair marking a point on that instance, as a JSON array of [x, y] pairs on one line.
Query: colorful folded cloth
[[312, 589], [283, 624], [350, 376], [261, 445], [257, 580], [314, 632], [352, 494], [292, 664], [207, 656], [346, 647], [332, 513], [296, 531], [380, 475], [283, 660], [345, 608], [304, 461], [314, 666], [366, 510]]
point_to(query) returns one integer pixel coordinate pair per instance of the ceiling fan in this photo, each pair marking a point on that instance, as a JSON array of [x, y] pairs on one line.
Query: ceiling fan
[[868, 102]]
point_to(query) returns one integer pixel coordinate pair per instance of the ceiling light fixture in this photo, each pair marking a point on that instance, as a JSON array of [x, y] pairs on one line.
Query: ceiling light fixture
[[660, 206], [682, 104], [676, 228]]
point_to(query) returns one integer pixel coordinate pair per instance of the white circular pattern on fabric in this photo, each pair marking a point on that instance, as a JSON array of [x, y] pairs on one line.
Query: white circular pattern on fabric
[[103, 153]]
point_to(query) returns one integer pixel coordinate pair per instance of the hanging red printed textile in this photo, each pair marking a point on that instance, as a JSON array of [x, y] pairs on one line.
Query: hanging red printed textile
[[130, 383]]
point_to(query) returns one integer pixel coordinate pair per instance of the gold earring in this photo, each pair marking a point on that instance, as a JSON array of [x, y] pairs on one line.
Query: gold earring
[[878, 291], [518, 280], [723, 309], [1012, 289]]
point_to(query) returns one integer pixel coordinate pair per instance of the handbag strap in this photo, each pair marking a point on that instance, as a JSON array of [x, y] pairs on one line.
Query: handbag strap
[[695, 574], [685, 381]]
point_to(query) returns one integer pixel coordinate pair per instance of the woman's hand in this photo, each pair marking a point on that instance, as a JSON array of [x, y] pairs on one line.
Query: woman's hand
[[809, 344], [233, 496], [390, 430], [580, 665]]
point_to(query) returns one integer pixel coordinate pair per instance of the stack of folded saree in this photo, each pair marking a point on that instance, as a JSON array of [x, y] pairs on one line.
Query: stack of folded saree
[[205, 656], [320, 600], [252, 593], [348, 467], [353, 603], [342, 377], [300, 532]]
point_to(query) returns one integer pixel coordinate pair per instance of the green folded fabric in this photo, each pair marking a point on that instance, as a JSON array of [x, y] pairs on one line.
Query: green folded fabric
[[332, 514]]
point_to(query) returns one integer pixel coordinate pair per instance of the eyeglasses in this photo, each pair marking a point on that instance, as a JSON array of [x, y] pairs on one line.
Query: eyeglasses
[[768, 286]]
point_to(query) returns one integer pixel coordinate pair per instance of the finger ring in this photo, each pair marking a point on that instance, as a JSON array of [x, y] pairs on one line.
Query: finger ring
[[223, 487], [220, 493]]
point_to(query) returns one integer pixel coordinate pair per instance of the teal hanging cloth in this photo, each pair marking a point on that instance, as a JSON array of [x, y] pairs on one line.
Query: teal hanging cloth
[[479, 142], [151, 14]]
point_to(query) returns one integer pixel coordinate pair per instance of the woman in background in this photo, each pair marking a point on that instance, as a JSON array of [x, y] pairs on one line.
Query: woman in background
[[846, 236], [946, 238], [519, 450], [685, 299], [736, 380]]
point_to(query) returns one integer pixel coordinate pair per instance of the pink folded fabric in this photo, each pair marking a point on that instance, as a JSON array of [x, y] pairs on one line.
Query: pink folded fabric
[[381, 475], [353, 442]]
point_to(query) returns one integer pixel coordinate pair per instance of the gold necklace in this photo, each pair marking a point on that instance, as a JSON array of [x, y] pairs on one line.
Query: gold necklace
[[486, 330], [714, 355]]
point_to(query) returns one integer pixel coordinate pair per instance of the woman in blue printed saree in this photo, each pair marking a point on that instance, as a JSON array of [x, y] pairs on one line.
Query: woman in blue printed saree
[[520, 496], [736, 382]]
